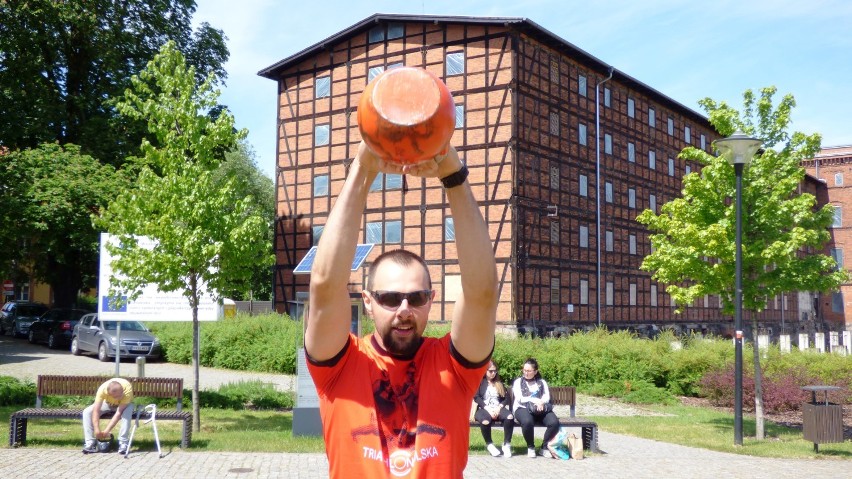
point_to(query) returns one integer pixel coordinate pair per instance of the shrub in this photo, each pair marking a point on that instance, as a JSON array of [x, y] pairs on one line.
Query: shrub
[[14, 392]]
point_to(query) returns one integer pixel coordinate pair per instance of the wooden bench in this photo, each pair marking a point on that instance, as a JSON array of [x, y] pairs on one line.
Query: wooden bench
[[566, 396], [54, 385]]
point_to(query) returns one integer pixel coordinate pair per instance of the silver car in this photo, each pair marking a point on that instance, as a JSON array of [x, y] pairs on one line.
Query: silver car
[[91, 335], [17, 316]]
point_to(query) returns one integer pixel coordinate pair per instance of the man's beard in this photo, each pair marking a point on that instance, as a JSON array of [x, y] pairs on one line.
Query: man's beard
[[401, 348]]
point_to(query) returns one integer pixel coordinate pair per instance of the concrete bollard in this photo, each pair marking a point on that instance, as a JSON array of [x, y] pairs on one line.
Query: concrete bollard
[[140, 366]]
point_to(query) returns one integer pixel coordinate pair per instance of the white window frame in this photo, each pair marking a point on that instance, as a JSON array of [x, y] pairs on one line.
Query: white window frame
[[321, 186], [322, 86], [838, 179], [322, 135], [455, 63]]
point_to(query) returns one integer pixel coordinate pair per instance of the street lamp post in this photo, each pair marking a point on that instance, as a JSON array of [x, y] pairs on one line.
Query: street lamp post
[[739, 150]]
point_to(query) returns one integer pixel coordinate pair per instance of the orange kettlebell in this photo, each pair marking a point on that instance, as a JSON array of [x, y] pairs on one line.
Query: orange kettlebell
[[407, 115]]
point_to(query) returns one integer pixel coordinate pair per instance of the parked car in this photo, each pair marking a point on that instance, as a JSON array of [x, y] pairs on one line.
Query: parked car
[[55, 327], [91, 335], [16, 317]]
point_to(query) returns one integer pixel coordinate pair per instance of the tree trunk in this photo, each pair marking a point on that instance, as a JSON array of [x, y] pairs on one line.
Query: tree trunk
[[758, 385], [196, 402]]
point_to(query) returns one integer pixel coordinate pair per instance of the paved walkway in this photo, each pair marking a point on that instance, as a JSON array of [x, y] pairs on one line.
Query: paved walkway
[[626, 457]]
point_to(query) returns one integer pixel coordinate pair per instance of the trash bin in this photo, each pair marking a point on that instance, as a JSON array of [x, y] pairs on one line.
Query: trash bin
[[822, 422]]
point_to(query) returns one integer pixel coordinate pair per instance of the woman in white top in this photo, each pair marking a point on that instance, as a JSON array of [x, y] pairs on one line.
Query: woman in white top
[[532, 402], [493, 403]]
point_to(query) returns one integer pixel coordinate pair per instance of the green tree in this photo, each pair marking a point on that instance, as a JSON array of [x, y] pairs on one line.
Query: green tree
[[208, 238], [49, 196], [784, 232], [60, 64], [240, 166], [61, 61]]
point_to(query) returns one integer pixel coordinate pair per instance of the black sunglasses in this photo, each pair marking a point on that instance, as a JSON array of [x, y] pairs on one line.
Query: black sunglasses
[[392, 299]]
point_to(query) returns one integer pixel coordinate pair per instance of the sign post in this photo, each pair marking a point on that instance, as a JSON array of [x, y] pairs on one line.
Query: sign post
[[8, 287]]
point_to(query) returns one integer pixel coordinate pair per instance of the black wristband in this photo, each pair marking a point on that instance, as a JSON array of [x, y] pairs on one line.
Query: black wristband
[[455, 179]]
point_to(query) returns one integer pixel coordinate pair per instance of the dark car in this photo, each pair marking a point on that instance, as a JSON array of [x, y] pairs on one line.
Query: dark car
[[16, 317], [96, 336], [55, 327]]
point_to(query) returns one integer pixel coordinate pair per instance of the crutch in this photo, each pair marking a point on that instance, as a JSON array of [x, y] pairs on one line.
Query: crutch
[[151, 410]]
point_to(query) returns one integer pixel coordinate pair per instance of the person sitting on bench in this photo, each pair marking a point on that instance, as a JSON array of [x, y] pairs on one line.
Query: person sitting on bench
[[532, 401], [492, 404], [114, 395]]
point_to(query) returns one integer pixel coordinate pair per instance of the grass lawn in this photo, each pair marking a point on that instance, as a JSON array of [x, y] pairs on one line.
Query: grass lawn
[[271, 431]]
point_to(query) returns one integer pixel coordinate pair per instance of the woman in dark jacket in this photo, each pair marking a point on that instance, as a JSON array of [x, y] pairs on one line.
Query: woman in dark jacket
[[532, 401], [493, 403]]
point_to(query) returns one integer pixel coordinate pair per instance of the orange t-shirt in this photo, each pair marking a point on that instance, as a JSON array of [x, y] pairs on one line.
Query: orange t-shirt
[[387, 417]]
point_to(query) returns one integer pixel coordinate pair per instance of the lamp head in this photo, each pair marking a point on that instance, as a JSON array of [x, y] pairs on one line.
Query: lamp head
[[738, 148]]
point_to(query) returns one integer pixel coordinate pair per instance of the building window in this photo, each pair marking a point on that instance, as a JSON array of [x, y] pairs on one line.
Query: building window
[[316, 232], [631, 152], [374, 232], [584, 185], [837, 302], [554, 71], [632, 242], [838, 217], [610, 240], [652, 118], [687, 134], [688, 170], [584, 236], [395, 30], [322, 87], [393, 232], [554, 232], [607, 97], [632, 294], [321, 185], [607, 143], [631, 198], [837, 256], [376, 185], [581, 85], [449, 229], [652, 201], [581, 134], [631, 108], [610, 293], [608, 191], [321, 135], [554, 291], [838, 179], [707, 301], [554, 123], [703, 142], [373, 72], [377, 34], [653, 295], [652, 160], [584, 291], [554, 177], [459, 116], [455, 63], [671, 167], [393, 182], [671, 126]]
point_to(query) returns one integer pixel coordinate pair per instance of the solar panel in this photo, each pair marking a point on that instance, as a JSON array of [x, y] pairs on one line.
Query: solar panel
[[361, 253]]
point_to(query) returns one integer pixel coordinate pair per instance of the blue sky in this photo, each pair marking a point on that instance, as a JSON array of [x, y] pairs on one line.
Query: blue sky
[[687, 50]]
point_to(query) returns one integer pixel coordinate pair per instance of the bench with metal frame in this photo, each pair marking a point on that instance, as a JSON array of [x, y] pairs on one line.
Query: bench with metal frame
[[566, 396], [57, 385]]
